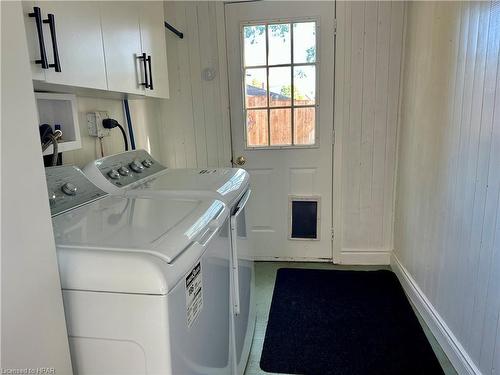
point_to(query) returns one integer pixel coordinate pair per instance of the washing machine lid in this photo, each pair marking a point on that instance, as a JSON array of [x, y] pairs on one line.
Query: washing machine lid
[[226, 184], [130, 245]]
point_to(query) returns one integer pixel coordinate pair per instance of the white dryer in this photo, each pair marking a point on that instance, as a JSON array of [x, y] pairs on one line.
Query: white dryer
[[145, 281], [136, 173]]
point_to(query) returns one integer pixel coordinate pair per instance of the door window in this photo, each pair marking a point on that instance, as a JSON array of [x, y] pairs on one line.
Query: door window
[[280, 83]]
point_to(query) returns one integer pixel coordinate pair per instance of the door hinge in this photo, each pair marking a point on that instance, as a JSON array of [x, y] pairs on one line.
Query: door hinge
[[334, 26], [333, 234]]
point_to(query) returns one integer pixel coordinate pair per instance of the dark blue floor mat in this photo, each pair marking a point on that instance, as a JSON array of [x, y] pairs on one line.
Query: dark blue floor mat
[[344, 322]]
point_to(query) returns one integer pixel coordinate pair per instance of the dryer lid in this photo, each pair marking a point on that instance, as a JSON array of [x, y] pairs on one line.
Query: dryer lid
[[226, 184], [133, 245]]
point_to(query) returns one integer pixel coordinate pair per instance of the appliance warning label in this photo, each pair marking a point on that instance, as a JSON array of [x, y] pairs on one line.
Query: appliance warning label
[[194, 294]]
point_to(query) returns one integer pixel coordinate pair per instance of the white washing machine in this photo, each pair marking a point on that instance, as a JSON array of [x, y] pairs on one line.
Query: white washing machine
[[136, 173], [145, 281]]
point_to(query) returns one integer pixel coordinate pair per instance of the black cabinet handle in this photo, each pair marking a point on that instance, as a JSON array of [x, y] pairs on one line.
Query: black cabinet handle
[[150, 73], [145, 67], [37, 14], [52, 25]]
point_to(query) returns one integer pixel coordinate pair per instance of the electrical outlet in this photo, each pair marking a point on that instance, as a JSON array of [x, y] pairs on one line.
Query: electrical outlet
[[94, 124]]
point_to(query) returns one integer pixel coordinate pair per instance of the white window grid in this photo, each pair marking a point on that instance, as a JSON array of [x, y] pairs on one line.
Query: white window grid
[[267, 66]]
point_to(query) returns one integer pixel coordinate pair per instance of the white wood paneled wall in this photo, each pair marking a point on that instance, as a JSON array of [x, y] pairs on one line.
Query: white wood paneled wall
[[368, 62], [195, 127], [447, 223]]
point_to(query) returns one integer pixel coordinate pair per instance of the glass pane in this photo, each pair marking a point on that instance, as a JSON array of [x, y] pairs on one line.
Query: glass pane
[[304, 42], [256, 88], [280, 87], [304, 80], [279, 44], [254, 45], [281, 127], [257, 127], [304, 129]]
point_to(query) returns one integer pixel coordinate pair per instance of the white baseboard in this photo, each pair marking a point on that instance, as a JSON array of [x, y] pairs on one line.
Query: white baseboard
[[365, 257], [259, 258], [457, 355]]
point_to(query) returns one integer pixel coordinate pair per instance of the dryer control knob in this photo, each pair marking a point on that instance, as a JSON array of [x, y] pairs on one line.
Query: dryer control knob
[[136, 166], [147, 163], [69, 189], [114, 174], [123, 171]]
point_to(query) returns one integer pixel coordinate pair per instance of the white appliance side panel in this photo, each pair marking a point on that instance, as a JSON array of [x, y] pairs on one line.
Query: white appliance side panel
[[244, 322], [204, 347]]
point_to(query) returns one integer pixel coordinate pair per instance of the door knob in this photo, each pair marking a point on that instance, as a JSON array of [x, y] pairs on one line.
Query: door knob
[[240, 160]]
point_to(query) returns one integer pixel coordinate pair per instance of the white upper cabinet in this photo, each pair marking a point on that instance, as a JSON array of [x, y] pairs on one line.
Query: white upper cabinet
[[106, 45], [121, 34], [154, 46], [33, 21], [72, 43]]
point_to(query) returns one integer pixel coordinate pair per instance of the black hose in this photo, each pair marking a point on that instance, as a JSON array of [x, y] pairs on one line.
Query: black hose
[[124, 136]]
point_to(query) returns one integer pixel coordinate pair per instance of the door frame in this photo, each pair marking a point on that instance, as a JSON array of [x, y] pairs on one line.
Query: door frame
[[337, 131]]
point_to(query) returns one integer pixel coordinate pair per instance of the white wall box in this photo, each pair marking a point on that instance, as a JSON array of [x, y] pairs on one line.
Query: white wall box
[[98, 45], [60, 109]]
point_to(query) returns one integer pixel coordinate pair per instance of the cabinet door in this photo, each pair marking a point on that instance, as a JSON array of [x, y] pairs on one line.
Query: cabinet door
[[122, 43], [79, 42], [154, 45], [33, 41]]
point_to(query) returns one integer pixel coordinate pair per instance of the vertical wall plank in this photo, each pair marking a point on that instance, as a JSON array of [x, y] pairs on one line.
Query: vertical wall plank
[[352, 138], [224, 146], [192, 26], [395, 56], [368, 58], [380, 122], [367, 120]]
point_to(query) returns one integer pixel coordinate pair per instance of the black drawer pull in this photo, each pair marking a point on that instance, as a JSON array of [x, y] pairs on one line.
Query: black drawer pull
[[52, 25], [150, 73], [37, 14], [145, 67]]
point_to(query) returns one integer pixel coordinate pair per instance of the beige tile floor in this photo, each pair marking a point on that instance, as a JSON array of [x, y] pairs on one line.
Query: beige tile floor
[[265, 274]]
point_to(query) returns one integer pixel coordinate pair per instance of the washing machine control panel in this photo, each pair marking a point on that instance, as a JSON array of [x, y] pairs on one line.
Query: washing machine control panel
[[68, 188], [128, 167]]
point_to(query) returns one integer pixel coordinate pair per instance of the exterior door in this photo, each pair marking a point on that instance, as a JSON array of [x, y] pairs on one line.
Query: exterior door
[[281, 74]]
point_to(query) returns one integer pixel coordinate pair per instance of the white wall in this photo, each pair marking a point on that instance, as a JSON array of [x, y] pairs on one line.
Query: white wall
[[368, 61], [32, 319], [195, 127], [146, 119], [447, 223]]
